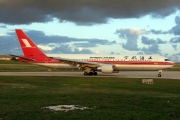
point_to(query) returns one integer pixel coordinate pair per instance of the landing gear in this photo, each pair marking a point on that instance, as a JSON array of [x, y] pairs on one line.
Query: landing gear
[[85, 74], [90, 73], [159, 73], [95, 73]]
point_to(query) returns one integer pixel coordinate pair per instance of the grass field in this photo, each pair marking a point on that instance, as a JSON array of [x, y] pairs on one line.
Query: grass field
[[24, 98]]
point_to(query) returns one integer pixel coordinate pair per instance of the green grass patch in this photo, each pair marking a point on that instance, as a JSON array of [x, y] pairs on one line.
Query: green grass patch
[[113, 98], [16, 66]]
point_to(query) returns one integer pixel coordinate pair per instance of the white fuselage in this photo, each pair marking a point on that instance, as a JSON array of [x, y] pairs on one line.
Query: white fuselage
[[120, 62]]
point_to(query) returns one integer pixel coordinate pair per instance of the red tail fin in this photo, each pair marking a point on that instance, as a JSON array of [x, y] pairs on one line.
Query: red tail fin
[[29, 48]]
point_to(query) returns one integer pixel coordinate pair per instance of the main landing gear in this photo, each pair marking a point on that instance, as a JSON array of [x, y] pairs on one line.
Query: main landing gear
[[90, 73], [159, 73]]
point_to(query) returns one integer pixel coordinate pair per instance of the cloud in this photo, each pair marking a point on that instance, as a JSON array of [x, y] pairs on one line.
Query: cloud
[[94, 43], [66, 49], [175, 40], [39, 37], [148, 41], [131, 35], [175, 47], [160, 41], [46, 48], [53, 43], [2, 26], [176, 29], [157, 32], [3, 35], [175, 57], [82, 51], [153, 45], [9, 44], [153, 49], [112, 52], [82, 12]]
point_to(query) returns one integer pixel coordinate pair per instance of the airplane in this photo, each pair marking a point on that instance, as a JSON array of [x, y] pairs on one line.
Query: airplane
[[90, 63]]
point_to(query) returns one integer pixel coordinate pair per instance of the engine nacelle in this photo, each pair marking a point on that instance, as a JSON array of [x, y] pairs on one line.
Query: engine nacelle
[[106, 68]]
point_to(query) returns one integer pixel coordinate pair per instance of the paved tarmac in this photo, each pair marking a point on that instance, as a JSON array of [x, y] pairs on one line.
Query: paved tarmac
[[121, 74]]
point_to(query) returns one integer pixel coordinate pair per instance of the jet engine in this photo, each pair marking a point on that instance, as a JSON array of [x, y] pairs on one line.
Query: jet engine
[[106, 68]]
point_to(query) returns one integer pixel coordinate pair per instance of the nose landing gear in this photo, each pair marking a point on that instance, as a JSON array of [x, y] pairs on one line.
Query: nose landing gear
[[159, 73]]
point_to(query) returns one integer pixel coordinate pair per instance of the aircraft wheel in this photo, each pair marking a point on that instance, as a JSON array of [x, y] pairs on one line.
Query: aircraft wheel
[[95, 73], [159, 75], [85, 73], [90, 73]]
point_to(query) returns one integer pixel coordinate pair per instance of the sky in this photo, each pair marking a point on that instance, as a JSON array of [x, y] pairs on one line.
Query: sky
[[93, 27]]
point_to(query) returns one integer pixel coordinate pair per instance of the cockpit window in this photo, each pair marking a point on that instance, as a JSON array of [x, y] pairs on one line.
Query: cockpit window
[[167, 60]]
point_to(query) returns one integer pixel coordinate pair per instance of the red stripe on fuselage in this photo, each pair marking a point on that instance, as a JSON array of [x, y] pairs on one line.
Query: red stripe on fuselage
[[51, 60]]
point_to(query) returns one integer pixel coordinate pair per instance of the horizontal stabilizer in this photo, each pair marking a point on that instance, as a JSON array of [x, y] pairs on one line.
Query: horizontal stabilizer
[[22, 57]]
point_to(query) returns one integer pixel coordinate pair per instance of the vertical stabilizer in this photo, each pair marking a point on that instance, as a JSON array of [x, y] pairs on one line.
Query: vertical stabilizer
[[29, 48]]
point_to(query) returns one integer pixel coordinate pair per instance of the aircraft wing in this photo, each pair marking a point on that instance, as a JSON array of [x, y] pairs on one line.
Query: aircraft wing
[[22, 57], [79, 63]]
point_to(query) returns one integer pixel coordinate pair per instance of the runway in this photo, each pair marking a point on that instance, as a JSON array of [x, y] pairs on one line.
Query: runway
[[121, 74]]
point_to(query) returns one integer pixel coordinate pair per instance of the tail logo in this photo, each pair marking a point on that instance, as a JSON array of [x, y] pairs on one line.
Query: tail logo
[[26, 43]]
